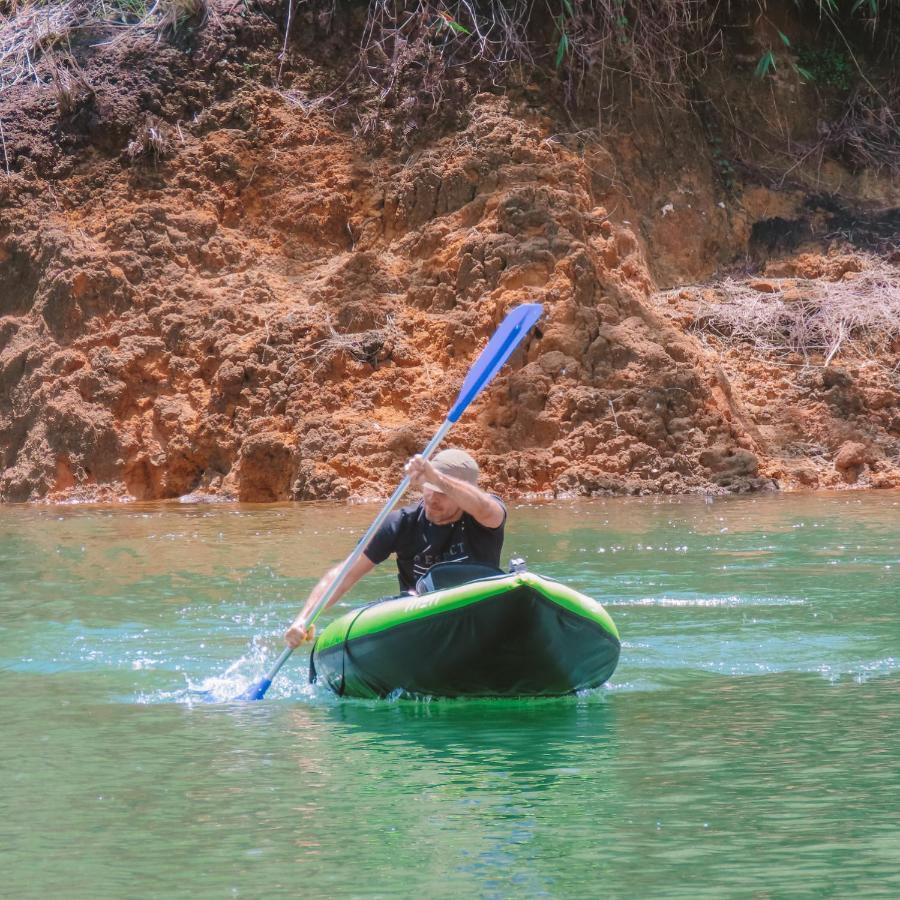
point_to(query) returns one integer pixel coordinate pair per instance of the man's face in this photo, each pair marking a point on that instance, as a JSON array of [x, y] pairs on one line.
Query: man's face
[[439, 508]]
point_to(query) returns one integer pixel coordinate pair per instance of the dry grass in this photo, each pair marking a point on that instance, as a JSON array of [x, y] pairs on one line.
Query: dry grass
[[155, 140], [418, 59], [72, 87], [867, 133], [29, 29], [172, 15], [3, 147], [659, 44], [372, 346], [805, 316]]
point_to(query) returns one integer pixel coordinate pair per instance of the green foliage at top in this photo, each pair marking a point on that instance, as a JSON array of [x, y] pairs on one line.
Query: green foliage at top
[[829, 66], [831, 63]]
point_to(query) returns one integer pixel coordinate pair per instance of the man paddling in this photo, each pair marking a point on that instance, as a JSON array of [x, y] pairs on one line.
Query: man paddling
[[455, 520]]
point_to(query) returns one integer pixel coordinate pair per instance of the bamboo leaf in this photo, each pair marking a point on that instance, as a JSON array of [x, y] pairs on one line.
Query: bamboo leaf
[[766, 62], [561, 49]]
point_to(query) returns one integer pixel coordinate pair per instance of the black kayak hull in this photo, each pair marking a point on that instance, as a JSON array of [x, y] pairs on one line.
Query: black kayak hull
[[513, 636]]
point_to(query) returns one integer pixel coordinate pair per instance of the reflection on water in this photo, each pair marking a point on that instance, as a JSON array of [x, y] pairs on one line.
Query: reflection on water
[[746, 745]]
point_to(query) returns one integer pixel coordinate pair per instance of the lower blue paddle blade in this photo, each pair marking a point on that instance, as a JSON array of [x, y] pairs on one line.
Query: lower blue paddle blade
[[255, 691]]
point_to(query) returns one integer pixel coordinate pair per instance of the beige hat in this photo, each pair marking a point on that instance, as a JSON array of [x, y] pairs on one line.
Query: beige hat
[[456, 464]]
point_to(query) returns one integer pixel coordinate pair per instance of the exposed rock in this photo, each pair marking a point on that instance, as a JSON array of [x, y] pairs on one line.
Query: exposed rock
[[267, 466], [850, 460]]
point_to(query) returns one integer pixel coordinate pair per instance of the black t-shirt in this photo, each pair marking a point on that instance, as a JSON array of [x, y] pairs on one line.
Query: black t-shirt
[[419, 544]]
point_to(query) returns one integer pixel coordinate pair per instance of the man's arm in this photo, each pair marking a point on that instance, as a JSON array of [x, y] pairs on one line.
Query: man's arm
[[299, 632], [485, 509]]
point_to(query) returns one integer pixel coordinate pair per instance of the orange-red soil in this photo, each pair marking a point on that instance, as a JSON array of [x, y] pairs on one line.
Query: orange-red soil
[[272, 311]]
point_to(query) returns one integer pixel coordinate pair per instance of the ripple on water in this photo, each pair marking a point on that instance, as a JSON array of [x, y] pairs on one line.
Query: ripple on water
[[730, 601]]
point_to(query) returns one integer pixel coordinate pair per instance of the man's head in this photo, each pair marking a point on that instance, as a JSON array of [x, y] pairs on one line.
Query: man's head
[[439, 508]]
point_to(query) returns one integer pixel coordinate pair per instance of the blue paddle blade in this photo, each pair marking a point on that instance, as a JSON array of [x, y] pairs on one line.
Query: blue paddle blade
[[500, 347]]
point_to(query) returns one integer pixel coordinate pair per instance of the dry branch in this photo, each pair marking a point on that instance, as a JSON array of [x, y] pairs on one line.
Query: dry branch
[[372, 346], [805, 316]]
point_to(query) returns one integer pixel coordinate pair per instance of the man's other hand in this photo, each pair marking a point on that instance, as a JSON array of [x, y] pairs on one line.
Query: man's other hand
[[420, 471]]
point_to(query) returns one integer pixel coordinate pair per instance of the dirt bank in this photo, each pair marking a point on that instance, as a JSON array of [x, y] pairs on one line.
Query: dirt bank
[[212, 286]]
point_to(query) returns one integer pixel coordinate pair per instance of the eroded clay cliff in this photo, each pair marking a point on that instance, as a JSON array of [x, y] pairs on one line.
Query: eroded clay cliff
[[260, 305]]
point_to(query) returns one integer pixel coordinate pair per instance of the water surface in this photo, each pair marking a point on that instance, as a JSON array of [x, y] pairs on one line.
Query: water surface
[[747, 744]]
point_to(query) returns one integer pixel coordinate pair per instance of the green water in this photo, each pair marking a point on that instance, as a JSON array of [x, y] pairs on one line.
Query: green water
[[748, 744]]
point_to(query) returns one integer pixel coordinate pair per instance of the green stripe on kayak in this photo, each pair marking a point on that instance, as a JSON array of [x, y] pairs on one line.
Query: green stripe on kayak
[[390, 613]]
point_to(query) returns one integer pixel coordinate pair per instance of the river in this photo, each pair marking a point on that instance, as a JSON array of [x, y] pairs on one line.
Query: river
[[747, 744]]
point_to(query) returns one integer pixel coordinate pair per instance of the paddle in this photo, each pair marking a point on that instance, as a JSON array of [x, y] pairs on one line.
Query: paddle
[[506, 338]]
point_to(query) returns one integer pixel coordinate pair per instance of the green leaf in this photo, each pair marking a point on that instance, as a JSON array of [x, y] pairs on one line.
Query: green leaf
[[459, 29], [766, 62], [561, 49], [568, 7], [805, 74], [784, 37]]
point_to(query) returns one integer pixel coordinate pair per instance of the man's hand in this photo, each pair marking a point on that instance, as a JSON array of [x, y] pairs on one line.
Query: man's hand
[[299, 634], [421, 471]]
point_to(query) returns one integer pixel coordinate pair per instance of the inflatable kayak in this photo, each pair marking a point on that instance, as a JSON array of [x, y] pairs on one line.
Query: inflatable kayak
[[509, 635]]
